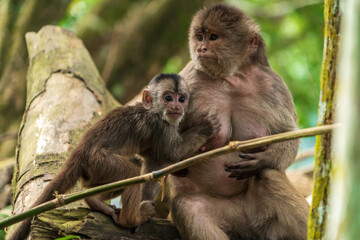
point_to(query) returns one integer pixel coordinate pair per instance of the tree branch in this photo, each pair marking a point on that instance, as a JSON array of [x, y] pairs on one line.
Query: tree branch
[[233, 146]]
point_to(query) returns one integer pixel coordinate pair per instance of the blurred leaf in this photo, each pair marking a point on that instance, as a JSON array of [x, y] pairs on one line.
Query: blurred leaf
[[4, 213], [68, 237], [173, 65], [76, 10]]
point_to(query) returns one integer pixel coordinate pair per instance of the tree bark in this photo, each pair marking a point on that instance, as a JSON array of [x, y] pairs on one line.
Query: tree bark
[[322, 169], [344, 223], [94, 225], [65, 96]]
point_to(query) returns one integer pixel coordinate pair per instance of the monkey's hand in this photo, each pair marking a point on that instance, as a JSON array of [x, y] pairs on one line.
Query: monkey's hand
[[209, 126], [253, 161]]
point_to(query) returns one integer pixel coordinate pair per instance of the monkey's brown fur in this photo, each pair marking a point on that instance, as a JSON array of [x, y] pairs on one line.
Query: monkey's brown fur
[[244, 196], [105, 151]]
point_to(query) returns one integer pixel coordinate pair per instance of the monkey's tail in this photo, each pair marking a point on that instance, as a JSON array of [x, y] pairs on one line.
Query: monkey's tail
[[64, 181]]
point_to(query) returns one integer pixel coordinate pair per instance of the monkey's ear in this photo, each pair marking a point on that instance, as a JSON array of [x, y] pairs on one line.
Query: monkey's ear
[[146, 100], [254, 43]]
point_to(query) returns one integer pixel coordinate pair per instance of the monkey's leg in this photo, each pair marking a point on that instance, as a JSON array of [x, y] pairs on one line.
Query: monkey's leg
[[134, 212], [278, 201], [116, 167], [95, 203], [197, 217]]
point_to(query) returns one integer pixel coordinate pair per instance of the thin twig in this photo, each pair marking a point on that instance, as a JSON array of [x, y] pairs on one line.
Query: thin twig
[[155, 175]]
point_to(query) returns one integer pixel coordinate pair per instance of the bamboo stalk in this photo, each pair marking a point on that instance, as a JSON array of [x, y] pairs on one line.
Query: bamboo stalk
[[233, 146]]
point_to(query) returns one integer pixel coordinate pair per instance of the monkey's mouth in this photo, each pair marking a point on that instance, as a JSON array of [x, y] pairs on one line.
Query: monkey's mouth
[[174, 115], [206, 57], [207, 60]]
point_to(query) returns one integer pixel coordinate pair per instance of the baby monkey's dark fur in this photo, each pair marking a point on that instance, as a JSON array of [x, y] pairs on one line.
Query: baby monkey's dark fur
[[105, 151]]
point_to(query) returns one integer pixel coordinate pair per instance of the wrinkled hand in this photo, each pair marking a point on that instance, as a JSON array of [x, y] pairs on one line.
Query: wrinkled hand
[[253, 161]]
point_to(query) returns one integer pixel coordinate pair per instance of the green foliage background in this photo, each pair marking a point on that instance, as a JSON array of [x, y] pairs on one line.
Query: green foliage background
[[293, 33], [131, 41]]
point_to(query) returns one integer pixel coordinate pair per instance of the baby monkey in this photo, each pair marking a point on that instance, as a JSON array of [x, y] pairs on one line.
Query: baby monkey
[[104, 153]]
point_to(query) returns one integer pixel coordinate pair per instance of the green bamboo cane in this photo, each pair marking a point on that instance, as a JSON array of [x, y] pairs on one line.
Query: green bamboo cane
[[233, 146]]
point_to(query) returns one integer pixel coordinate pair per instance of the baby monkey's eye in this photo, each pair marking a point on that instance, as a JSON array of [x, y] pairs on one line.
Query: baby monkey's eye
[[168, 98], [213, 37], [200, 37], [182, 99]]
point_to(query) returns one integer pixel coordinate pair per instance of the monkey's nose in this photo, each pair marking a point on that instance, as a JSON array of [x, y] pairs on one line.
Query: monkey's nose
[[175, 107], [202, 49]]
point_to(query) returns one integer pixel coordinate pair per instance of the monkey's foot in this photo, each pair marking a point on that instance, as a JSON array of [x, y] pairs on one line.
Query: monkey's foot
[[115, 214], [147, 210]]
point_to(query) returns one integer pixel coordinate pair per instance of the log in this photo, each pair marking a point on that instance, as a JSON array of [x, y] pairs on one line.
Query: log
[[95, 225], [65, 96]]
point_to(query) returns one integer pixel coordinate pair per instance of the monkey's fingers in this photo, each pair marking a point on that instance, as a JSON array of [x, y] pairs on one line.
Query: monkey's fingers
[[244, 169], [261, 157], [247, 156], [213, 118], [216, 126], [115, 216], [241, 165]]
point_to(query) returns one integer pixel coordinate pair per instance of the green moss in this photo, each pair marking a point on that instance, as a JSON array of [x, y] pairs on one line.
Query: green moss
[[322, 170]]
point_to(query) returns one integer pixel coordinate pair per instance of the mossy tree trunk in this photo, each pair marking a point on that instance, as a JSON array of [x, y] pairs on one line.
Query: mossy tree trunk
[[65, 96], [344, 223], [319, 207]]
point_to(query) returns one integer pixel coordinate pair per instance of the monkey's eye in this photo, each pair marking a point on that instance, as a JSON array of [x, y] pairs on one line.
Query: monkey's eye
[[200, 37], [168, 98], [182, 99], [213, 37]]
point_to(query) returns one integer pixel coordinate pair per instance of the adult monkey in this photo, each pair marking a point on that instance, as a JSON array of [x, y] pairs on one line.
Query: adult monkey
[[230, 76]]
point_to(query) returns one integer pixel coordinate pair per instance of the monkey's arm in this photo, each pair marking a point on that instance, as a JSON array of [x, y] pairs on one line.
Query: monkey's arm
[[193, 139], [278, 155], [275, 156]]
